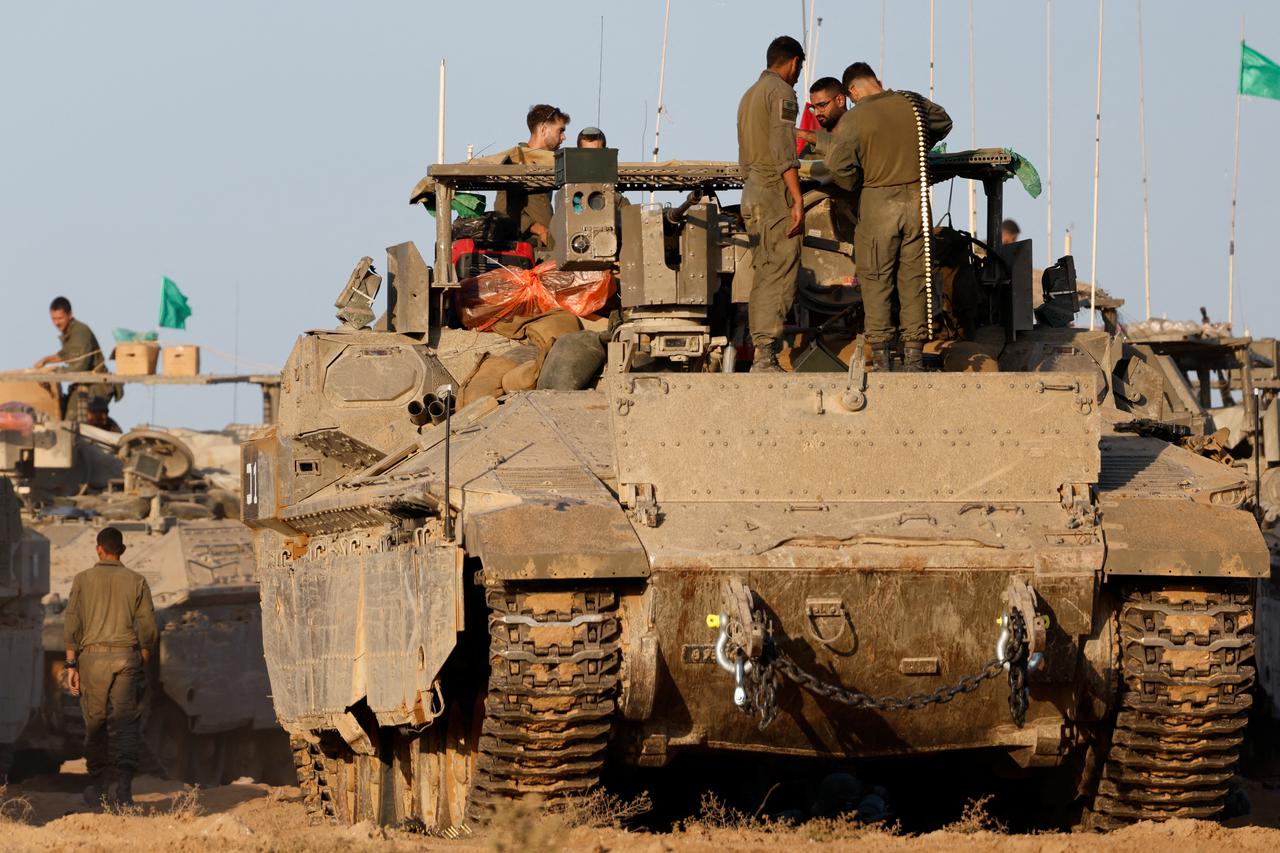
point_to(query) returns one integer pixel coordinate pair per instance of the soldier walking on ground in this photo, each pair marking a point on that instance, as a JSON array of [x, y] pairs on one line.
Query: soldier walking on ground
[[875, 148], [109, 633], [771, 204]]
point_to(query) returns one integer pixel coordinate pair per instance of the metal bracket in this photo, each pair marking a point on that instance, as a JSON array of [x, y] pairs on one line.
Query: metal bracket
[[644, 506], [854, 398]]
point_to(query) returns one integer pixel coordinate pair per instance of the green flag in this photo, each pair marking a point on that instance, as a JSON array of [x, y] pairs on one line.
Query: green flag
[[174, 310], [1259, 76]]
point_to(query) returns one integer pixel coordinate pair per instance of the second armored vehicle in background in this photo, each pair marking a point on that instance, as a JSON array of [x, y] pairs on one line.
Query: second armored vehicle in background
[[173, 495]]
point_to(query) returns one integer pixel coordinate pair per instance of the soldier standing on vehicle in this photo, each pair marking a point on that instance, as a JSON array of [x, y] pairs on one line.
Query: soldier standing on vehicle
[[771, 204], [875, 148], [532, 210], [80, 353], [109, 632]]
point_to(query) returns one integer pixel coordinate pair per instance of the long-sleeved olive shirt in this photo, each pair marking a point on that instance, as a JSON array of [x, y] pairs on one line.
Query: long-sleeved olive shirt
[[110, 605], [767, 131], [875, 145], [80, 350]]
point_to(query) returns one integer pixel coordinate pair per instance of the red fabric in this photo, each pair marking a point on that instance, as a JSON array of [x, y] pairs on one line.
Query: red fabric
[[487, 298], [807, 122]]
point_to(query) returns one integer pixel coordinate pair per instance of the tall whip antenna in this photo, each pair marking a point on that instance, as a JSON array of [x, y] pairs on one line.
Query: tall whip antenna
[[1142, 140], [931, 4], [1097, 163], [440, 120], [662, 82], [600, 74], [973, 127], [1235, 185], [1048, 99]]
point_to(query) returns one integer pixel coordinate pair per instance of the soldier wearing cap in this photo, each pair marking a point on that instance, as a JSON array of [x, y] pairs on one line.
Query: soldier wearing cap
[[771, 204], [109, 632], [592, 137]]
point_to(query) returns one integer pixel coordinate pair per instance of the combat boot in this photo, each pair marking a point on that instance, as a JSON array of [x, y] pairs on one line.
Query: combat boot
[[765, 360], [122, 789], [912, 357], [92, 795], [881, 358]]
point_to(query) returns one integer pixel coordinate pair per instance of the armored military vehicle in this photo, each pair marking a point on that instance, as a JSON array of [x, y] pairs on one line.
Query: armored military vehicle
[[24, 581], [680, 558], [173, 494]]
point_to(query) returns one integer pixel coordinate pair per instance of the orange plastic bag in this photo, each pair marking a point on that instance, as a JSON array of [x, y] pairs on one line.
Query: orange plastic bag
[[489, 297]]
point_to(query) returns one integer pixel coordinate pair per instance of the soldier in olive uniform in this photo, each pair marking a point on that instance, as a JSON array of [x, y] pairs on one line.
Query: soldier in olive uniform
[[826, 97], [875, 148], [771, 204], [532, 210], [80, 353], [109, 632]]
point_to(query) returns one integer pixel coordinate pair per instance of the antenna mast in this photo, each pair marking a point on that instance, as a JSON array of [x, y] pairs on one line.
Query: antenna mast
[[1142, 140], [973, 127], [1048, 85], [662, 81], [1097, 163], [440, 120]]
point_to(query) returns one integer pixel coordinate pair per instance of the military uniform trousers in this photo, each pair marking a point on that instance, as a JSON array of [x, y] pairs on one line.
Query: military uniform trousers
[[775, 259], [111, 686], [888, 249]]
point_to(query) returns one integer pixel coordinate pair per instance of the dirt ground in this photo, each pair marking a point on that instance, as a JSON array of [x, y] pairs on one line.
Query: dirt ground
[[47, 814]]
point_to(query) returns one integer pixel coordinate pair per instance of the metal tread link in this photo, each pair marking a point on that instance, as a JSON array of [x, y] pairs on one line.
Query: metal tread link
[[1177, 736], [552, 682], [316, 776]]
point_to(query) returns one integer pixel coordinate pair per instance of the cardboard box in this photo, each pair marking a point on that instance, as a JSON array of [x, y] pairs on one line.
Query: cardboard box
[[136, 359], [181, 360]]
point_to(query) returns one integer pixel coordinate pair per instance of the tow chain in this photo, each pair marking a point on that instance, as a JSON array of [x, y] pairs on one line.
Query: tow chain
[[762, 678]]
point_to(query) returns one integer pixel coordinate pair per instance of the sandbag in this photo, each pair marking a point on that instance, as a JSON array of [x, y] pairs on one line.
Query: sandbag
[[573, 362]]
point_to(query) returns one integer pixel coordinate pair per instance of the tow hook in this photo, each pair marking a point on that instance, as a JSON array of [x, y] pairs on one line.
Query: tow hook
[[739, 666]]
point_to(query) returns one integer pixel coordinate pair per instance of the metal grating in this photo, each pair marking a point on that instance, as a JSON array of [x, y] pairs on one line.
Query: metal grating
[[559, 480], [1136, 465]]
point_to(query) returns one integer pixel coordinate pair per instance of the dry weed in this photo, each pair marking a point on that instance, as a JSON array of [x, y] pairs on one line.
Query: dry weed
[[598, 809], [185, 805], [714, 813], [123, 809], [975, 818], [15, 809], [518, 826]]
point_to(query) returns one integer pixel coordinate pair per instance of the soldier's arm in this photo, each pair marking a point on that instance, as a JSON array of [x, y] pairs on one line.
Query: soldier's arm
[[938, 120], [71, 621], [842, 156], [146, 618], [783, 109], [77, 353]]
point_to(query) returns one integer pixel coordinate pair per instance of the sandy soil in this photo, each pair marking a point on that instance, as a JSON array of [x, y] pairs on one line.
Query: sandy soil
[[47, 814]]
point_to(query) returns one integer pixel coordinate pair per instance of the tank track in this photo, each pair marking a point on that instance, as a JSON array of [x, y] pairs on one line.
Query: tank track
[[317, 775], [1184, 704], [554, 673]]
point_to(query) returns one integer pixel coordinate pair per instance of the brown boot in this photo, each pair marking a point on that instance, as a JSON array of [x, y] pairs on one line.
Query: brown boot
[[765, 361], [881, 358], [912, 357]]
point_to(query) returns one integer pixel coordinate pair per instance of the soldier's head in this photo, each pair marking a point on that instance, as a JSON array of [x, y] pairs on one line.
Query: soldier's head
[[546, 126], [60, 313], [1009, 232], [826, 96], [110, 544], [860, 81], [591, 137], [785, 57]]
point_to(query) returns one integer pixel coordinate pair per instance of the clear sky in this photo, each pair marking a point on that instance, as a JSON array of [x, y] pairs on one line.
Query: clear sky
[[261, 148]]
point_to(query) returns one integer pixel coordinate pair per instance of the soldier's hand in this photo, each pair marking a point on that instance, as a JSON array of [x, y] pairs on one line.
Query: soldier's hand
[[73, 681], [797, 220]]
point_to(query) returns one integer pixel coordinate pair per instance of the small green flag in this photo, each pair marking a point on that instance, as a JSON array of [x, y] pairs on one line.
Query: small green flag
[[1259, 76], [174, 310]]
